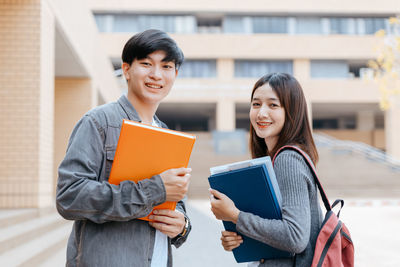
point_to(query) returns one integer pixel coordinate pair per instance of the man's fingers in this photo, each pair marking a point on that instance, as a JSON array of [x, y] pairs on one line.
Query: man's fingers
[[169, 230], [166, 212], [181, 171], [162, 227], [167, 216], [162, 219]]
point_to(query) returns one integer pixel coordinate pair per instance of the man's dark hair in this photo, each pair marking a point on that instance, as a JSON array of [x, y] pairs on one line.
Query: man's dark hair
[[149, 41]]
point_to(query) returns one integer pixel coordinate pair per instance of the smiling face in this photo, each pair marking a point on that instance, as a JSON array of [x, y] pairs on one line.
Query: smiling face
[[267, 115], [150, 79]]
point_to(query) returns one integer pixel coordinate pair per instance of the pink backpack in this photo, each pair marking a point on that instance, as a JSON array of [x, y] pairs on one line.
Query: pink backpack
[[334, 247]]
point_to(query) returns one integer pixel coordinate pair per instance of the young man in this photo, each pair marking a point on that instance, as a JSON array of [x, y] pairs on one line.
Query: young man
[[106, 231]]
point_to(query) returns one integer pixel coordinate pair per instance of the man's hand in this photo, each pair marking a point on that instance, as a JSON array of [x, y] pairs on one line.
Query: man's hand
[[230, 240], [169, 222], [176, 182], [223, 207]]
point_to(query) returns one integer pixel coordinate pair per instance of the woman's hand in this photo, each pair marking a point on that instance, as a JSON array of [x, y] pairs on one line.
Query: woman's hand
[[230, 240], [223, 207]]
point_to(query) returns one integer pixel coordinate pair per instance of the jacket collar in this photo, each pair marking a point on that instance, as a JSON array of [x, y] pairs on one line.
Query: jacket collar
[[131, 111]]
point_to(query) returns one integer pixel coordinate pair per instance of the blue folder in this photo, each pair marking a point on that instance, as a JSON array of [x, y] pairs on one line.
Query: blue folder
[[253, 188]]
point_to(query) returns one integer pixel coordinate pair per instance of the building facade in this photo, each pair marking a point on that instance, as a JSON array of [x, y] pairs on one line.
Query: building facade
[[229, 44], [57, 60]]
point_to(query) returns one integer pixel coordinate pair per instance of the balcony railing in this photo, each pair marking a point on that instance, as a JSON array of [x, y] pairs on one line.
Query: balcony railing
[[369, 152]]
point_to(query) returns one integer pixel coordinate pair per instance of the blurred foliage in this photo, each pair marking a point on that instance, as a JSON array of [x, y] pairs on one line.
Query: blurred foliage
[[387, 64]]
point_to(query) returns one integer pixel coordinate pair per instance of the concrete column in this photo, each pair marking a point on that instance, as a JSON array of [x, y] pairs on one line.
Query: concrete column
[[27, 30], [392, 130], [365, 120], [226, 118], [301, 69], [73, 98], [46, 107], [225, 69]]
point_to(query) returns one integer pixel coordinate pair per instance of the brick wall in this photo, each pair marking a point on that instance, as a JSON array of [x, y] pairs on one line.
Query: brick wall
[[25, 83]]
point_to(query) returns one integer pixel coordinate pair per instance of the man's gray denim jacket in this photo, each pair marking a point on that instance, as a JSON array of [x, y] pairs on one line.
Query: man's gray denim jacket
[[106, 232]]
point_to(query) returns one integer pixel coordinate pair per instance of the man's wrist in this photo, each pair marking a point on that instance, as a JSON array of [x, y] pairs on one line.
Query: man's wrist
[[185, 229]]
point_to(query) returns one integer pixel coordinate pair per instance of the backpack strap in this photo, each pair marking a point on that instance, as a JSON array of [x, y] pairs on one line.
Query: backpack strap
[[313, 171]]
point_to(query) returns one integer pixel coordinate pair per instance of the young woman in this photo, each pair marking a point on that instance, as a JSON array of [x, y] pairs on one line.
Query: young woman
[[278, 117]]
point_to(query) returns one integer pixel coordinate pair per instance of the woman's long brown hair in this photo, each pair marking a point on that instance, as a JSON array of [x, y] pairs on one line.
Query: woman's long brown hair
[[296, 129]]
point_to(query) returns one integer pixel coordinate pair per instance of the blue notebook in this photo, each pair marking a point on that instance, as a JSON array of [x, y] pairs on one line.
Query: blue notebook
[[253, 188]]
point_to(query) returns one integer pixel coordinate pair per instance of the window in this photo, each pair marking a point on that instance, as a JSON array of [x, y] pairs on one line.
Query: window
[[342, 26], [329, 69], [256, 69], [217, 23], [198, 69], [237, 24], [104, 22], [308, 25], [325, 124], [372, 25], [209, 24], [242, 24], [138, 23], [358, 68], [125, 23], [269, 25]]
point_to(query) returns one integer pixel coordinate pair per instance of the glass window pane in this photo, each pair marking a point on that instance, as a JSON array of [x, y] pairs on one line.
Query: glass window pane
[[340, 26], [125, 23], [185, 24], [233, 24], [138, 23], [372, 25], [198, 69], [329, 69], [269, 25], [308, 25], [256, 69], [104, 22]]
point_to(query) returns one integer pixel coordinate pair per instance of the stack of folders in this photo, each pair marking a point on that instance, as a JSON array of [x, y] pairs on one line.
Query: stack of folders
[[252, 186]]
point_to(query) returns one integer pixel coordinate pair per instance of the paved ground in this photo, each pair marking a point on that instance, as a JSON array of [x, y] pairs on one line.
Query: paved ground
[[373, 223]]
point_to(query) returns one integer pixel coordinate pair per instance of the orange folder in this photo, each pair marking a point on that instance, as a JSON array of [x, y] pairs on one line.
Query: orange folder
[[144, 151]]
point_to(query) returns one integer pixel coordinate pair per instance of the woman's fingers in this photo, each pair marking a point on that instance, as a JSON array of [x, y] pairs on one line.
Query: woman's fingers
[[228, 233], [216, 194], [230, 240], [232, 243], [230, 248]]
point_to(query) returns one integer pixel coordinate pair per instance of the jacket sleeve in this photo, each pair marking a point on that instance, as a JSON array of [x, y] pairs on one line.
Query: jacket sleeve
[[292, 233], [80, 195]]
